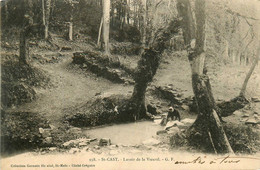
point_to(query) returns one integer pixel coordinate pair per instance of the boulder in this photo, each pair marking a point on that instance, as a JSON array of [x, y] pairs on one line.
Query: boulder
[[161, 132], [255, 99], [243, 119], [83, 144], [188, 121], [173, 130], [251, 121], [104, 142], [45, 132], [151, 142], [75, 130], [96, 147], [172, 124], [238, 113], [66, 48], [48, 140], [52, 148], [52, 127], [185, 107], [113, 146], [76, 142], [245, 115], [68, 144]]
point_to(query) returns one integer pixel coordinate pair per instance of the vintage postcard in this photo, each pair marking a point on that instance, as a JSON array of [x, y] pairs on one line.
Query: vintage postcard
[[130, 84]]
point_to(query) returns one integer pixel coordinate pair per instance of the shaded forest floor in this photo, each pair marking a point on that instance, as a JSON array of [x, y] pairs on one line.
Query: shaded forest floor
[[71, 86]]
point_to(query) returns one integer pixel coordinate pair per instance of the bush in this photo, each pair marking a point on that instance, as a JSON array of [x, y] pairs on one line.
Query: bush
[[18, 81], [99, 111], [20, 130], [178, 140], [243, 138]]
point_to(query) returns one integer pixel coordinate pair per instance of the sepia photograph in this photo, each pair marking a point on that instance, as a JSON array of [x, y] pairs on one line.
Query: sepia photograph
[[130, 84]]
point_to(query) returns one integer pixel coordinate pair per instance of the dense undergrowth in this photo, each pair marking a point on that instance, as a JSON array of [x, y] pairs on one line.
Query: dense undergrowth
[[243, 139], [18, 81], [20, 130], [98, 111]]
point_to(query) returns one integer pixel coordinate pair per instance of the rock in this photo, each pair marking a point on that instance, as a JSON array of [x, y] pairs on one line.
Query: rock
[[66, 48], [173, 130], [151, 142], [257, 110], [96, 147], [74, 150], [68, 144], [41, 130], [161, 132], [104, 142], [77, 142], [243, 119], [255, 99], [48, 140], [45, 132], [113, 146], [245, 115], [91, 140], [237, 113], [84, 65], [157, 121], [75, 130], [52, 127], [185, 107], [172, 124], [83, 144], [251, 121], [188, 121], [52, 148], [146, 147]]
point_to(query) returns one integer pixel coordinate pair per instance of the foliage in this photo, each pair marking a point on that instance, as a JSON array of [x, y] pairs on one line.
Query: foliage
[[243, 138], [99, 111], [178, 140], [20, 130], [63, 134], [18, 81]]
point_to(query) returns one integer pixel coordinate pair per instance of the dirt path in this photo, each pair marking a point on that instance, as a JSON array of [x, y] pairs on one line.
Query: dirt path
[[72, 86]]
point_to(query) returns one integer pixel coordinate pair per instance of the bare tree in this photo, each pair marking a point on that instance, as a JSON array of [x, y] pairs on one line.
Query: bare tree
[[207, 128], [46, 8], [99, 32], [243, 89], [146, 69], [106, 22]]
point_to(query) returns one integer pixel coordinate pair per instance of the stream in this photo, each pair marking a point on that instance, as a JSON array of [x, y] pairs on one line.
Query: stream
[[126, 134]]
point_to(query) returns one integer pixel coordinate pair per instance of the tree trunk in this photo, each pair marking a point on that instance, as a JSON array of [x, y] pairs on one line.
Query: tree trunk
[[99, 32], [207, 127], [106, 18], [43, 13], [46, 17], [23, 48], [225, 54], [71, 30], [188, 26], [243, 89], [144, 23], [6, 12], [146, 69]]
